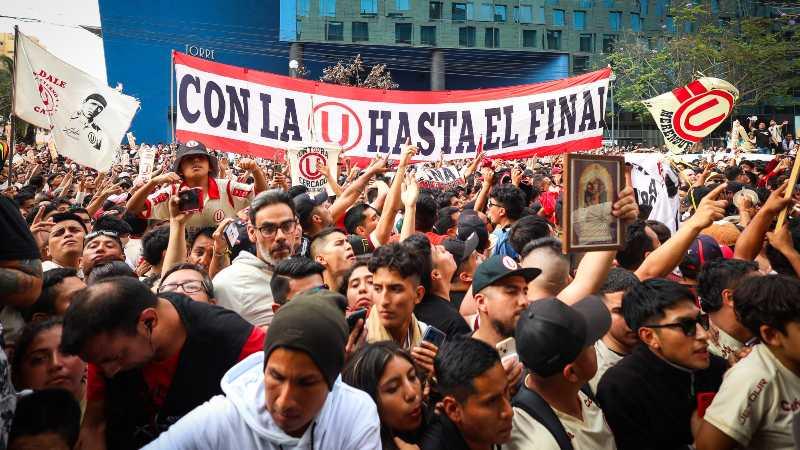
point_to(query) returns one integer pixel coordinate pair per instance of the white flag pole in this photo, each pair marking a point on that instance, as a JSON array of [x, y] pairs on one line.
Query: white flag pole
[[12, 135]]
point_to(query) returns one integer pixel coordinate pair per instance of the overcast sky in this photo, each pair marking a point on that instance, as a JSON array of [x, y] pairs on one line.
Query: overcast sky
[[58, 29]]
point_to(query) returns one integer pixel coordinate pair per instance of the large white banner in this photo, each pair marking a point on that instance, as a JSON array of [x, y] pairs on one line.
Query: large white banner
[[256, 113], [86, 118], [689, 113]]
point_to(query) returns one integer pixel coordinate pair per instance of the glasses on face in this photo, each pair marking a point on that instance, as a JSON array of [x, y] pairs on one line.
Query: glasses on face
[[688, 326], [268, 229], [496, 205], [188, 287], [107, 233]]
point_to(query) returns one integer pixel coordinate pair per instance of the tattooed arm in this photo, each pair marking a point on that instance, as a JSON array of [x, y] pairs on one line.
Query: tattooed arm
[[20, 281]]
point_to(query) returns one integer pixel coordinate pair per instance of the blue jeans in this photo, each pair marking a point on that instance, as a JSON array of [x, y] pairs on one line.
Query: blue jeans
[[763, 150]]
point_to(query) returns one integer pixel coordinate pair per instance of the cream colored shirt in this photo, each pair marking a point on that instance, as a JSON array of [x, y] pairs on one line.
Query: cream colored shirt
[[721, 343], [757, 402], [606, 359], [591, 433]]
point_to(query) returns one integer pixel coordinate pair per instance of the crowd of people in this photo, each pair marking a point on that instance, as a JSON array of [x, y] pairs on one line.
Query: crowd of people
[[214, 305]]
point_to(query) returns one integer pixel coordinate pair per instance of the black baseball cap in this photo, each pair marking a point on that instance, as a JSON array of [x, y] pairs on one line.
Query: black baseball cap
[[461, 250], [468, 223], [195, 148], [305, 203], [551, 334], [498, 267], [360, 245]]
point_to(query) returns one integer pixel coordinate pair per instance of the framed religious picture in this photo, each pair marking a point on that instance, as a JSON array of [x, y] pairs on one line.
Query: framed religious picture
[[593, 184]]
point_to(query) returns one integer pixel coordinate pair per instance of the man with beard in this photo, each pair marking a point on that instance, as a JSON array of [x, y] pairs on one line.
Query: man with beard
[[244, 285]]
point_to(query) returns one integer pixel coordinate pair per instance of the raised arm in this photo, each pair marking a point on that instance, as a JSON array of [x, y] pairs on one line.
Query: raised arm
[[781, 240], [749, 243], [176, 247], [665, 258], [136, 203], [594, 266], [259, 180], [20, 282], [483, 195], [409, 197]]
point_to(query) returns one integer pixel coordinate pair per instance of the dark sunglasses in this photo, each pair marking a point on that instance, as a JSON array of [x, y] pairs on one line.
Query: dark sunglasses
[[688, 326]]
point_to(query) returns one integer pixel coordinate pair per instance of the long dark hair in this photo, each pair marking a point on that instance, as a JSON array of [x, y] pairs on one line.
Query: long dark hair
[[364, 371]]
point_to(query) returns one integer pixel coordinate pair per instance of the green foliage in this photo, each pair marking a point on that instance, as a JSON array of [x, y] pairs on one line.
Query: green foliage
[[757, 55], [6, 71]]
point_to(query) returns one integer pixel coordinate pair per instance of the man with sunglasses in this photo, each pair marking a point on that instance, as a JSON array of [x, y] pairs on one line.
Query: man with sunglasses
[[244, 285], [651, 398]]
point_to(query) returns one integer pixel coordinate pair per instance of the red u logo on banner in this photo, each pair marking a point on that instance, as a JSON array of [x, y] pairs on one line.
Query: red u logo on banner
[[325, 116]]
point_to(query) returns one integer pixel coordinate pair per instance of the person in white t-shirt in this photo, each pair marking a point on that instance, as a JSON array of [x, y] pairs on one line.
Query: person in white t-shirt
[[195, 167], [760, 396], [620, 340], [555, 342]]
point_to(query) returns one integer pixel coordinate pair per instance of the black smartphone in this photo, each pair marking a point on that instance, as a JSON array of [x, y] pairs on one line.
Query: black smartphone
[[352, 319], [190, 200], [278, 168], [434, 335]]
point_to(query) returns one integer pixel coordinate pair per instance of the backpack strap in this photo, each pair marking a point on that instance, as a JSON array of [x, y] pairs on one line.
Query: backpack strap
[[535, 406], [587, 390]]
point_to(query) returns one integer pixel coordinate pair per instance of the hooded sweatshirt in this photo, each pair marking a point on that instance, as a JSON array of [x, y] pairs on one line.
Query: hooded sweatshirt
[[239, 419], [243, 287]]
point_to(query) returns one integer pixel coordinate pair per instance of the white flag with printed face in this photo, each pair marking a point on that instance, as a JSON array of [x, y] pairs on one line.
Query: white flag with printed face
[[87, 119]]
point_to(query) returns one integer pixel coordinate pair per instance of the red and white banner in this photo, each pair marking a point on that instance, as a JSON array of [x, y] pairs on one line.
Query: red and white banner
[[256, 113], [689, 113]]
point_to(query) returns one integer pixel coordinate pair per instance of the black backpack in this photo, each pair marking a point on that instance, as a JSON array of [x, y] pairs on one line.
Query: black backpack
[[535, 406]]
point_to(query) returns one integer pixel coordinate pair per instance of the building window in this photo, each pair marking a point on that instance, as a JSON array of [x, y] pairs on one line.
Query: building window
[[651, 43], [608, 43], [579, 17], [580, 64], [558, 17], [552, 2], [466, 36], [586, 43], [435, 11], [523, 14], [459, 11], [500, 13], [586, 3], [636, 22], [334, 31], [608, 3], [614, 19], [529, 38], [327, 8], [486, 12], [554, 39], [645, 7], [670, 24], [402, 33], [688, 27], [427, 35], [539, 15], [492, 38], [360, 31], [303, 8], [714, 6], [369, 6], [402, 5]]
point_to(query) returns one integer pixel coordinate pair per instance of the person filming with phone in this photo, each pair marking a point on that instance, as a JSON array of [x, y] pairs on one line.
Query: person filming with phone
[[194, 178]]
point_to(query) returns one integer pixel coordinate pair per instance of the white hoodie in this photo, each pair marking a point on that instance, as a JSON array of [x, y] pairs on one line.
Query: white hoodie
[[239, 419], [243, 287]]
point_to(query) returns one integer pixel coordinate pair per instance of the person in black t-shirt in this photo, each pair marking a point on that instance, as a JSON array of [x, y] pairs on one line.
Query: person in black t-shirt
[[763, 136]]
